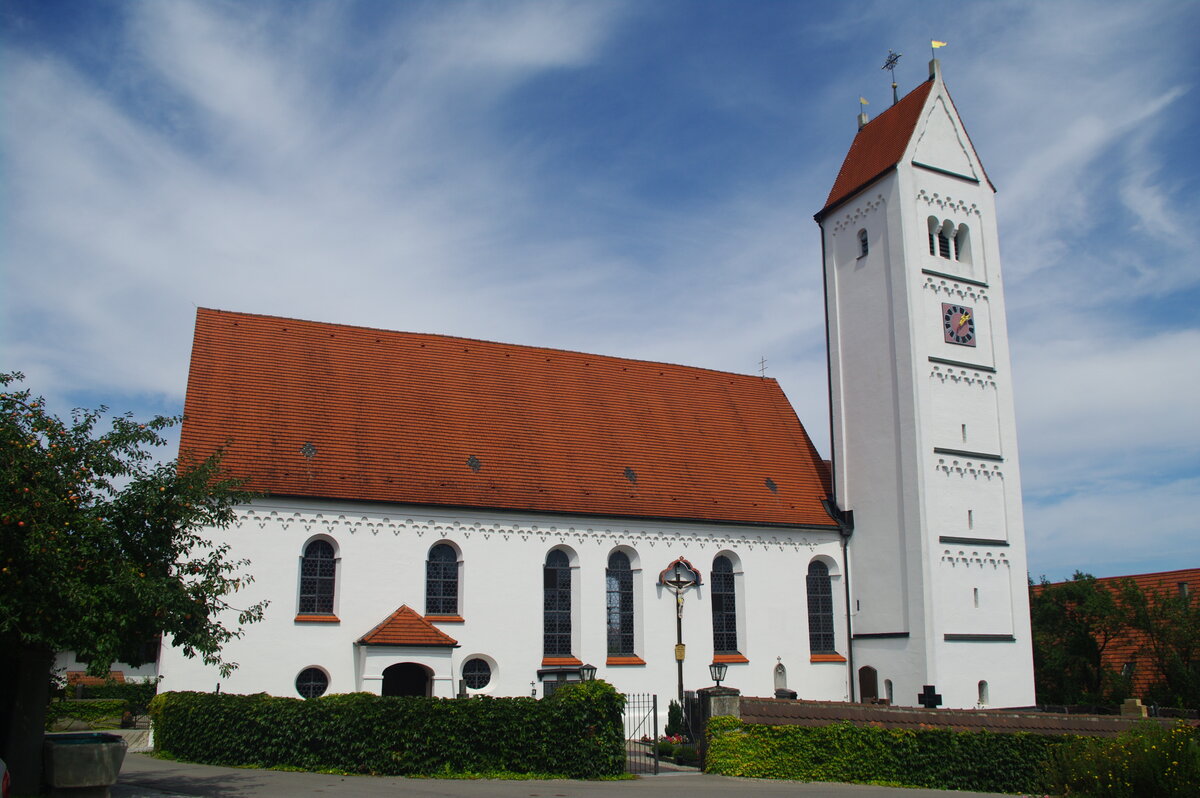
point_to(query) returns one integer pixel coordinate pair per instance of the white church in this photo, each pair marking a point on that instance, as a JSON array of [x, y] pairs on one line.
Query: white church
[[442, 516]]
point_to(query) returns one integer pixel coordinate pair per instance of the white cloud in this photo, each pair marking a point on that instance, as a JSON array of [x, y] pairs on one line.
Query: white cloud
[[1126, 528], [300, 161]]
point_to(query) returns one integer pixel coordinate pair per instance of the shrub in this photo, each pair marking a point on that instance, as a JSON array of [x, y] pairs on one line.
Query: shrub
[[138, 694], [1147, 760], [686, 754], [96, 713], [674, 726], [577, 732], [932, 758]]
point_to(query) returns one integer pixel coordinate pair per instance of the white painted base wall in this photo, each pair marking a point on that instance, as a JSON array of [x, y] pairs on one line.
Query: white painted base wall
[[381, 551]]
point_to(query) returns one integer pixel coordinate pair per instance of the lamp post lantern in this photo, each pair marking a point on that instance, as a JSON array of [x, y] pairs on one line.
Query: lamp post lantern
[[717, 671]]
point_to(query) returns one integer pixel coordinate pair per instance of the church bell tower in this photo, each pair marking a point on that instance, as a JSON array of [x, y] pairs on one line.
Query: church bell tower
[[924, 434]]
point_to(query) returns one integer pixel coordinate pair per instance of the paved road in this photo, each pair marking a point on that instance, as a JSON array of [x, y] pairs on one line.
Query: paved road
[[146, 777]]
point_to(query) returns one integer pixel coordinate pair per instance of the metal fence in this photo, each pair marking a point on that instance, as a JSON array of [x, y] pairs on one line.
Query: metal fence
[[641, 733]]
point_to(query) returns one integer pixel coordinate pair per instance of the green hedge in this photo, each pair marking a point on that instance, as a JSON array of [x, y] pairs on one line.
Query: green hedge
[[138, 694], [575, 733], [1146, 760], [931, 758], [90, 711]]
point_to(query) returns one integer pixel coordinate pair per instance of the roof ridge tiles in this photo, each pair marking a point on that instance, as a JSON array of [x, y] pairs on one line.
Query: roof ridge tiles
[[449, 338]]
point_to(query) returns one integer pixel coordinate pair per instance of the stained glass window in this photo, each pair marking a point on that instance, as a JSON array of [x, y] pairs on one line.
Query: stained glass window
[[312, 682], [317, 578], [820, 609], [477, 673], [441, 581], [724, 607], [619, 587], [556, 605]]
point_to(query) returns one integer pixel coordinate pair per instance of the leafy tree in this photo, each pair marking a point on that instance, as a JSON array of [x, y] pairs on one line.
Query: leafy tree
[[101, 548], [1074, 623], [1169, 623]]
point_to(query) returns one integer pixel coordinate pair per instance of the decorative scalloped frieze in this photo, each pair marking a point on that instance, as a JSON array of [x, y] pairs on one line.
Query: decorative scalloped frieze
[[953, 375], [854, 216], [966, 467], [953, 289], [334, 524], [948, 204], [975, 556]]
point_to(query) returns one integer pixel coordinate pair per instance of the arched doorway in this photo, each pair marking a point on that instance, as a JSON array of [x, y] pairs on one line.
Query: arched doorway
[[868, 683], [406, 678]]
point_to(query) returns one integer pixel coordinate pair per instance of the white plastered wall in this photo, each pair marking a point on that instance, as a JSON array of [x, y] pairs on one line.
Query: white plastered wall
[[382, 551]]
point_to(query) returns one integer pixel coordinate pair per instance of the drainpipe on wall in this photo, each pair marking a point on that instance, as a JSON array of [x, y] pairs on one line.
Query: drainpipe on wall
[[847, 530], [845, 522]]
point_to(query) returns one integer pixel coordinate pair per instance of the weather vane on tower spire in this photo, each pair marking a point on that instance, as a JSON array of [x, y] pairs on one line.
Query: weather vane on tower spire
[[890, 66]]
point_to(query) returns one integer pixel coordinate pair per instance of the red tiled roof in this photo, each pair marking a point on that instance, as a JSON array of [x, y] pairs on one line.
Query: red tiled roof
[[879, 145], [339, 412], [1130, 648], [405, 627]]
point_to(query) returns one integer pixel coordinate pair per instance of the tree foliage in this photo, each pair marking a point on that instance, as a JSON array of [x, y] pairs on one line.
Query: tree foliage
[[101, 547], [1169, 623], [1073, 624], [1076, 622]]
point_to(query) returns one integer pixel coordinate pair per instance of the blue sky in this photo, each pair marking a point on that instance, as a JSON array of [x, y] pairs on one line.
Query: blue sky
[[628, 178]]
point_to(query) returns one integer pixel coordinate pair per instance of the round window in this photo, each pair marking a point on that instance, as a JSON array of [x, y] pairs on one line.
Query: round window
[[477, 673], [312, 682]]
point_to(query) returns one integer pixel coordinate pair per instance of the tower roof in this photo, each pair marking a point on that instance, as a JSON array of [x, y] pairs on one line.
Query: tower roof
[[337, 412], [879, 145]]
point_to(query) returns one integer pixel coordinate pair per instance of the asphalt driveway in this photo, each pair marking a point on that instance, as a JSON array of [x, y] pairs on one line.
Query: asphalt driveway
[[145, 777]]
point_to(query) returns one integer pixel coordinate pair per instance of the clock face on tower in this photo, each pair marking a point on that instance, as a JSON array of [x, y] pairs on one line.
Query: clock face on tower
[[958, 322]]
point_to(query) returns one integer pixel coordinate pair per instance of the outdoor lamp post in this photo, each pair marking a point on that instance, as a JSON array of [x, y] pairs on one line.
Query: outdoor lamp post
[[717, 671], [587, 672]]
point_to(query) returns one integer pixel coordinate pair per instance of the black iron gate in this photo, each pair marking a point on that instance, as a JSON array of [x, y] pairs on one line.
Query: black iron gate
[[641, 733]]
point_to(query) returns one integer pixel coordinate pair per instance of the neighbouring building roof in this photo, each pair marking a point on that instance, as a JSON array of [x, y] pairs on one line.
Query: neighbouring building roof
[[338, 412], [1127, 651], [406, 627]]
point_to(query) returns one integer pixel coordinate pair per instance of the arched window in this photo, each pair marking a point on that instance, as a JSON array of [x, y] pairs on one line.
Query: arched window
[[820, 609], [889, 691], [863, 244], [724, 607], [618, 581], [933, 225], [962, 244], [983, 694], [556, 605], [441, 581], [317, 578], [943, 240]]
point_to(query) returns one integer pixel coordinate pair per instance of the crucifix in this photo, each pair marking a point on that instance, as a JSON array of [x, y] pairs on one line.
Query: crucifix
[[678, 577]]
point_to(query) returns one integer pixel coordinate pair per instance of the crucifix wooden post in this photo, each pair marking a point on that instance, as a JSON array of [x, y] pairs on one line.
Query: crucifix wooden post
[[682, 576]]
